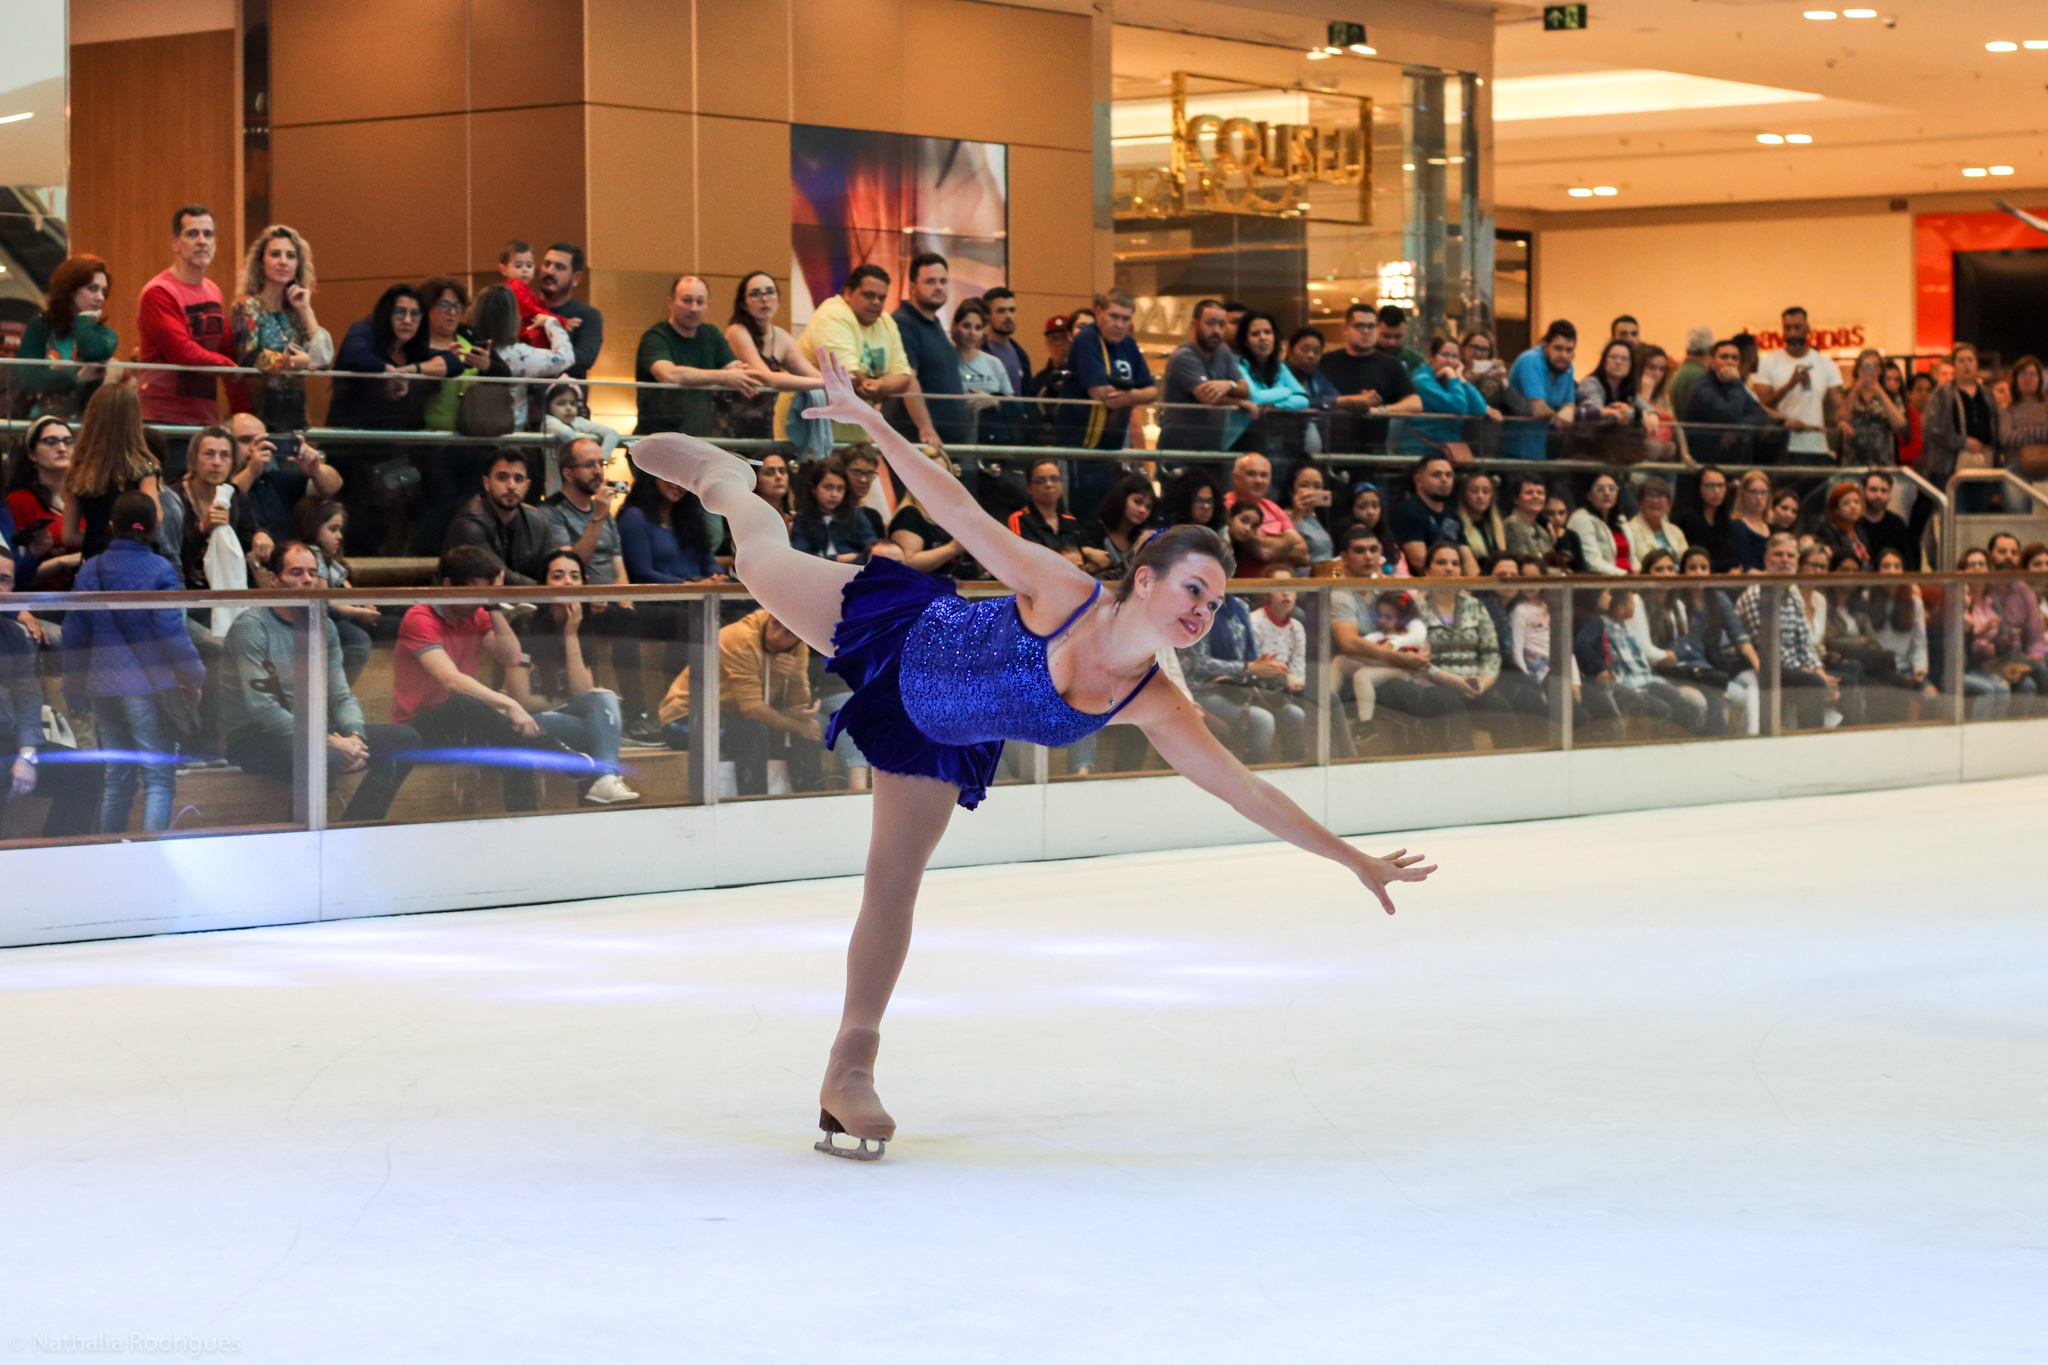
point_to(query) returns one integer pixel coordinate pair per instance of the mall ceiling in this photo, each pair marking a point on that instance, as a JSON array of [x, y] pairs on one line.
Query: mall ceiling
[[1663, 102]]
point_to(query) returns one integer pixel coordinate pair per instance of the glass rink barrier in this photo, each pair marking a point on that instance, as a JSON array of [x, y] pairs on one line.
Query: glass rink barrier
[[144, 714]]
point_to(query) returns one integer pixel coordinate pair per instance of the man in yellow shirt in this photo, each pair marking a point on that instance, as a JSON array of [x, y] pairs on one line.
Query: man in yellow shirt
[[853, 326], [764, 702]]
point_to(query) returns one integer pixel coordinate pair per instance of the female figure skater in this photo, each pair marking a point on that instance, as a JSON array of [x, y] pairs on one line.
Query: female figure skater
[[940, 682]]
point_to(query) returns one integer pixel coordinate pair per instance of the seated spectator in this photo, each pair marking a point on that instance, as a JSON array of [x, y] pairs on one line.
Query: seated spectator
[[765, 709], [1523, 528], [1984, 682], [257, 700], [1786, 513], [1224, 670], [1304, 362], [1714, 629], [1898, 622], [1527, 647], [1464, 650], [771, 485], [1367, 510], [1556, 520], [1652, 528], [495, 321], [1444, 388], [499, 519], [1750, 529], [2035, 558], [863, 466], [1045, 522], [2022, 649], [692, 360], [1271, 387], [277, 475], [561, 418], [1274, 539], [71, 335], [1426, 517], [557, 689], [1279, 636], [392, 345], [210, 500], [923, 543], [665, 535], [321, 528], [1709, 523], [136, 670], [35, 506], [1308, 502], [181, 321], [1730, 425], [828, 522], [37, 766], [436, 686], [1122, 523], [1841, 530], [1664, 631], [1542, 375], [1603, 545], [1809, 688], [1609, 654], [1382, 654], [1189, 499], [1881, 528], [109, 457], [1485, 533], [273, 329]]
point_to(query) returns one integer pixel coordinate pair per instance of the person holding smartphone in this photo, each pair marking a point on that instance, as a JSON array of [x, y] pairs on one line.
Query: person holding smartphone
[[1308, 500]]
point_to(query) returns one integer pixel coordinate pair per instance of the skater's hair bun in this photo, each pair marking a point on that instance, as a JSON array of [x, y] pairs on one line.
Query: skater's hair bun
[[1170, 547]]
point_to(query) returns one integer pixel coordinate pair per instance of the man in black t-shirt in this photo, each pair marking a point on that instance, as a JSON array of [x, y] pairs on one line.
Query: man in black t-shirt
[[1882, 529], [933, 413], [1426, 516], [1367, 379]]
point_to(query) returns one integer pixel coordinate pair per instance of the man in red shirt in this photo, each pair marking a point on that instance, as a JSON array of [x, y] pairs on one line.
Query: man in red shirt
[[181, 321]]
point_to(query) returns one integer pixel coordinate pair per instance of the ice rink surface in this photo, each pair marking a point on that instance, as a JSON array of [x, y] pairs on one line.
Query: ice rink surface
[[1758, 1083]]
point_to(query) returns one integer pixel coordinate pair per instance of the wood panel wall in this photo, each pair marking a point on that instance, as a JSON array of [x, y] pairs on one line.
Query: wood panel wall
[[153, 126]]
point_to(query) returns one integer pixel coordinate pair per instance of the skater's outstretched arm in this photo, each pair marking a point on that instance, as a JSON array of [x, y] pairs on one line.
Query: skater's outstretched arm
[[1049, 587], [1174, 725]]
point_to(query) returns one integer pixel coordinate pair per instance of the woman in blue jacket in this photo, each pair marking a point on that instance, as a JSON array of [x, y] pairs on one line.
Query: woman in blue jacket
[[1443, 386], [122, 664], [1273, 385]]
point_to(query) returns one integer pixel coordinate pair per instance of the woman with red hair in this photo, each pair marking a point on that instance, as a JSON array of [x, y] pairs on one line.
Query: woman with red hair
[[68, 331]]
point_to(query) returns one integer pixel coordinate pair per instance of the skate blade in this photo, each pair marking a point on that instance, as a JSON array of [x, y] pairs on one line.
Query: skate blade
[[870, 1149]]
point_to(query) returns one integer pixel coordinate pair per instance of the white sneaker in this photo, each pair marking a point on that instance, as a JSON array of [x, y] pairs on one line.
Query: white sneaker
[[609, 790]]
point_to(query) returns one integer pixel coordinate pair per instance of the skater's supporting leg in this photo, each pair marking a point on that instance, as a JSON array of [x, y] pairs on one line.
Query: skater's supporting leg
[[801, 591]]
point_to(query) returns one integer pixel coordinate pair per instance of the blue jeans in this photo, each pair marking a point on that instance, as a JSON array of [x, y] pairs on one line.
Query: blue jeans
[[1251, 725], [135, 726], [590, 725]]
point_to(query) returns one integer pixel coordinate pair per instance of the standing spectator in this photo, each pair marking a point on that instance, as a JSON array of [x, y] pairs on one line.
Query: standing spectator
[[1802, 673], [494, 319], [688, 358], [1442, 387], [983, 378], [1002, 338], [1045, 521], [1625, 328], [1527, 536], [1543, 376], [1486, 372], [1801, 385], [1651, 528], [110, 457], [278, 481], [180, 320], [1603, 547], [931, 410], [1881, 528], [561, 270], [1305, 363], [1871, 423], [273, 329], [1308, 502], [1051, 381], [852, 326], [1653, 397], [129, 666], [1479, 520], [829, 523], [764, 702], [1105, 366], [1392, 338], [1698, 362], [447, 301], [72, 787], [36, 472], [2023, 426], [257, 700], [768, 351], [1122, 523], [1224, 669], [1202, 381], [1723, 400], [392, 344], [1426, 517], [1611, 417], [1959, 430], [1275, 541], [1273, 386], [1367, 380], [554, 684], [1709, 522], [70, 332], [320, 527], [500, 520]]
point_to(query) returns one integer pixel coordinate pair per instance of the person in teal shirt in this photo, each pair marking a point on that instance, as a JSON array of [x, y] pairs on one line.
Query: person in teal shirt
[[1273, 385], [68, 329], [1444, 388]]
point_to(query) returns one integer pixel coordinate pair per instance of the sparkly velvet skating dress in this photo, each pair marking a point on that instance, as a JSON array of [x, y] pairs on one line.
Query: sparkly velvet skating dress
[[940, 682]]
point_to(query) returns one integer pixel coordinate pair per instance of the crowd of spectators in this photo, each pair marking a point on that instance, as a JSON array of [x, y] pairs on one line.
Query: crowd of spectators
[[96, 499]]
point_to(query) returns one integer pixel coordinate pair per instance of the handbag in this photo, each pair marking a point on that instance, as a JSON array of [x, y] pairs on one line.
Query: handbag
[[484, 410], [2034, 462]]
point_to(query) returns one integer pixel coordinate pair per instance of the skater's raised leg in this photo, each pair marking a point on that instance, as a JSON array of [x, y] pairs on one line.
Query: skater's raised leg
[[910, 814], [801, 591]]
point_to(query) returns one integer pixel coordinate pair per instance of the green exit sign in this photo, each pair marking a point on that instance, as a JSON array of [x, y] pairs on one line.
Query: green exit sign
[[1559, 18]]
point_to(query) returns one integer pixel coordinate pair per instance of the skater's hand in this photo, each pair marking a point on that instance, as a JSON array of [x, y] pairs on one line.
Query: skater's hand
[[1400, 866], [842, 403]]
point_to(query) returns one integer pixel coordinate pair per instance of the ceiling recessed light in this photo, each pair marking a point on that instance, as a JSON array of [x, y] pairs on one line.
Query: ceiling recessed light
[[1578, 193], [1316, 54], [1360, 49], [1770, 139], [2001, 170], [16, 118], [2035, 44], [1821, 14], [2001, 47], [1605, 191], [1800, 138], [1975, 172], [1859, 14]]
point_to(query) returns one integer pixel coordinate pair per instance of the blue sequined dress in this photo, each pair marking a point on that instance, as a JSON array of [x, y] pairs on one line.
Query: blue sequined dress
[[940, 682]]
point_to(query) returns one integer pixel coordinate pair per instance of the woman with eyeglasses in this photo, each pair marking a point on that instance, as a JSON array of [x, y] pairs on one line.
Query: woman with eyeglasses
[[769, 351], [391, 347], [941, 683], [35, 504]]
